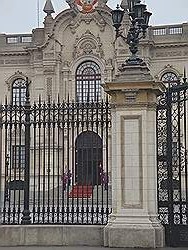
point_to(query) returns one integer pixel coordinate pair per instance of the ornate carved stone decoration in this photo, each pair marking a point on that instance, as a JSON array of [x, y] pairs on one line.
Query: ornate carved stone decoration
[[49, 87], [168, 68], [108, 72], [66, 64], [130, 95], [86, 6], [49, 50], [17, 74], [96, 17], [14, 57], [88, 44], [49, 70]]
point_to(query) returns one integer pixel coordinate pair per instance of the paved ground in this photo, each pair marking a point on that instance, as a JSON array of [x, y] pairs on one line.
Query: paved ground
[[85, 248]]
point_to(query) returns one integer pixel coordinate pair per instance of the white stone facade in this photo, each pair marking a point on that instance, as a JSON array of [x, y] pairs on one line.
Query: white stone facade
[[49, 56]]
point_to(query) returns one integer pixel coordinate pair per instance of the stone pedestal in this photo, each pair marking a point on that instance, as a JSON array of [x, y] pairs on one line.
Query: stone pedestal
[[134, 222]]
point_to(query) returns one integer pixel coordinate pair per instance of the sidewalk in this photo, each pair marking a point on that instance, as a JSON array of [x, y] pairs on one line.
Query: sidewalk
[[84, 248]]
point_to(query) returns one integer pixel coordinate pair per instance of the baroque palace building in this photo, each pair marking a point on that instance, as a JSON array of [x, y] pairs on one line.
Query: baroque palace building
[[70, 157], [79, 39], [75, 53]]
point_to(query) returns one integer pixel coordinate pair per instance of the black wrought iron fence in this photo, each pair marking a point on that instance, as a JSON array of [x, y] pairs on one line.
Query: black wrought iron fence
[[55, 162], [172, 161]]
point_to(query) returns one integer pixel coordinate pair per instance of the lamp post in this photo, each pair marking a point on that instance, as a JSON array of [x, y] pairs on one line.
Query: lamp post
[[133, 91], [139, 17]]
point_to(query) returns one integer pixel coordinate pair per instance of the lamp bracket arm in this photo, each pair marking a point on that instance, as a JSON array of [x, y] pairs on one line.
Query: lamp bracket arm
[[122, 36], [142, 36]]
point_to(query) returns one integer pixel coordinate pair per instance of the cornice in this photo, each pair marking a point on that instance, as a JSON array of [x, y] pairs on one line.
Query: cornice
[[14, 53], [170, 45]]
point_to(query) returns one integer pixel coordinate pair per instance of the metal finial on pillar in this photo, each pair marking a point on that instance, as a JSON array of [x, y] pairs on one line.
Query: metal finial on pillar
[[184, 75]]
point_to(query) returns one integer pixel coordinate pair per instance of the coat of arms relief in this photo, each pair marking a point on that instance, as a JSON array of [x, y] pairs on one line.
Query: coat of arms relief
[[86, 6]]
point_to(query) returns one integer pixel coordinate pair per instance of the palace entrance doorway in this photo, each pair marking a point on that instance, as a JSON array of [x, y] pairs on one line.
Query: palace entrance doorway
[[88, 158]]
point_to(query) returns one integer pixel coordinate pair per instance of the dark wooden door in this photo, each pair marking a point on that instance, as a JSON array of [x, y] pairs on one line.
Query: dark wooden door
[[88, 158]]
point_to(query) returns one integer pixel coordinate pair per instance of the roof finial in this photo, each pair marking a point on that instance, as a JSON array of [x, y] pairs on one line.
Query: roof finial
[[48, 8], [124, 4]]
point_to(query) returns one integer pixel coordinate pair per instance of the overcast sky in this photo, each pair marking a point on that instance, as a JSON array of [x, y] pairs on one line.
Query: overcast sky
[[20, 16]]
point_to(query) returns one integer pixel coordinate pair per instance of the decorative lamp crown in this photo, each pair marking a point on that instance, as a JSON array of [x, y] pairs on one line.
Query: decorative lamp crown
[[139, 17]]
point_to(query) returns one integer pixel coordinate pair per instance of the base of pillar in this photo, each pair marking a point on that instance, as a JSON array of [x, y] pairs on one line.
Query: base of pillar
[[134, 235]]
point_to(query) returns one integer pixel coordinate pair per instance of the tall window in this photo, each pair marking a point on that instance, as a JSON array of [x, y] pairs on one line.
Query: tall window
[[18, 92], [88, 80], [169, 79]]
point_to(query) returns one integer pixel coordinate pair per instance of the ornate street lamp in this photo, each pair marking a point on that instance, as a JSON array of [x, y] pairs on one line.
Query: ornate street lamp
[[139, 17]]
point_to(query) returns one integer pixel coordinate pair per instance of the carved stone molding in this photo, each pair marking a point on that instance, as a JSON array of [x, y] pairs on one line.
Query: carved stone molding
[[49, 70], [168, 68], [88, 44], [17, 74], [37, 56], [16, 53], [98, 19], [66, 64], [49, 82], [130, 95], [170, 51]]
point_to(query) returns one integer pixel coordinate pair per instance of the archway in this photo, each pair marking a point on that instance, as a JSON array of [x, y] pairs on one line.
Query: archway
[[88, 158]]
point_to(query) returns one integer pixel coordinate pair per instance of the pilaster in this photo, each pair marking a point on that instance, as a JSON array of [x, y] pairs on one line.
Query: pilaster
[[134, 222]]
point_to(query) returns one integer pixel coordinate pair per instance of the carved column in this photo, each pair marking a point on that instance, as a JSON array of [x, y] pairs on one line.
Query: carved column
[[66, 87], [134, 222], [49, 72]]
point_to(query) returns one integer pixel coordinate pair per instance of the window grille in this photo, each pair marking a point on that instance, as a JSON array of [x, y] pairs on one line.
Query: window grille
[[13, 39], [88, 82], [159, 32], [175, 30], [170, 79], [18, 92], [26, 39]]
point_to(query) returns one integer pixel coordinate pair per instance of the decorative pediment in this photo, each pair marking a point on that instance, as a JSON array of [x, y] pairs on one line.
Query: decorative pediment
[[88, 44], [98, 19]]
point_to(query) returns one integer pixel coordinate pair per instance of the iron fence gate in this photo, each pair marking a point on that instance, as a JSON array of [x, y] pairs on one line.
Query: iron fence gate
[[55, 162], [172, 159]]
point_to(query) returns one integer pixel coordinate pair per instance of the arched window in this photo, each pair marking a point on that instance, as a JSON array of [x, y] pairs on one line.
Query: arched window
[[170, 79], [88, 80], [18, 92]]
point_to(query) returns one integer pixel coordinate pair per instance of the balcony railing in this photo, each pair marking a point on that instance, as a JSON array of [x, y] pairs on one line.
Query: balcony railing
[[167, 30], [15, 39]]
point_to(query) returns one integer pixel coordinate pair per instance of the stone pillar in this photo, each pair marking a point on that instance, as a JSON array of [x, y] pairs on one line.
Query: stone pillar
[[134, 222]]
